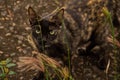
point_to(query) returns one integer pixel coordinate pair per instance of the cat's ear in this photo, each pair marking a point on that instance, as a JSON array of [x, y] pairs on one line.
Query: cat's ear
[[31, 13], [57, 18], [33, 17]]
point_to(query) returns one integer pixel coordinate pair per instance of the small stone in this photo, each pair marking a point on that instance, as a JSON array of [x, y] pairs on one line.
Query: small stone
[[19, 41], [94, 76], [1, 52], [1, 27], [27, 28], [20, 37], [15, 32], [11, 28], [11, 18], [26, 7], [18, 2], [12, 54], [3, 13], [19, 49], [3, 43], [14, 61], [2, 18], [21, 78], [13, 24], [6, 55], [8, 34], [24, 51], [24, 45], [6, 18]]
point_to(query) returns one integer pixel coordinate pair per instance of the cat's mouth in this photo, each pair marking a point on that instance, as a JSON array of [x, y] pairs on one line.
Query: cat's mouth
[[45, 45]]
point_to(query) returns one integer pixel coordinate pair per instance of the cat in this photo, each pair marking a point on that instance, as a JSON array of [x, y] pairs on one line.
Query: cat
[[80, 28], [48, 34]]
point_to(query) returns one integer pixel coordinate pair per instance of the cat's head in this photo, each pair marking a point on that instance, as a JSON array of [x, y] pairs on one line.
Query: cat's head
[[45, 30]]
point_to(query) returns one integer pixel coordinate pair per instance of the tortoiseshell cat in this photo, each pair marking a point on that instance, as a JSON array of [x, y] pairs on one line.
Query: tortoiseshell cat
[[49, 35], [84, 33]]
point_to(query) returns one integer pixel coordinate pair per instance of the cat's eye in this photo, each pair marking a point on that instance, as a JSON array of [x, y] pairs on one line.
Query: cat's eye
[[52, 32], [38, 31]]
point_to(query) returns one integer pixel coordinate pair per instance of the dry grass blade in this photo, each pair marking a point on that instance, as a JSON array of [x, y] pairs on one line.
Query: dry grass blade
[[30, 63], [107, 68], [49, 61], [31, 41], [116, 42], [65, 72]]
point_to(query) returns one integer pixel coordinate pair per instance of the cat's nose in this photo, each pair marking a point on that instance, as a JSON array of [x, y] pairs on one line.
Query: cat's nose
[[44, 42], [43, 39]]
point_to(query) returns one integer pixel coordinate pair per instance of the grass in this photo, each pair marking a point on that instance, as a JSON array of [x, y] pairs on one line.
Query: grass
[[68, 49], [109, 20]]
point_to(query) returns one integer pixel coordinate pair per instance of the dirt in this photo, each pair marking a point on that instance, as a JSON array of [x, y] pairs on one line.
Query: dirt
[[14, 29]]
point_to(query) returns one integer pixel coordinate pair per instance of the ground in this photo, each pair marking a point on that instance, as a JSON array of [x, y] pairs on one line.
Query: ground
[[14, 29]]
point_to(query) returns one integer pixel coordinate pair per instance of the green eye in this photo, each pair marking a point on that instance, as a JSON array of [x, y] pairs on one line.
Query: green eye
[[52, 32], [38, 31]]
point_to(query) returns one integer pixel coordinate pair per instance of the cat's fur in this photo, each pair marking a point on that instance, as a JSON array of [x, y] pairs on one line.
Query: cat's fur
[[84, 33]]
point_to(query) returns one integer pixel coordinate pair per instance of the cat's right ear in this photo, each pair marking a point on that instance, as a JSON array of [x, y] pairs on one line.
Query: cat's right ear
[[58, 17], [33, 17]]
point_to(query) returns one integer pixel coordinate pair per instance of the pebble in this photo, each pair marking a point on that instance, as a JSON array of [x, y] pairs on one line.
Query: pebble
[[94, 76], [26, 7], [27, 28], [14, 60], [24, 45], [8, 34], [1, 52], [2, 19], [19, 42], [12, 41], [1, 27], [3, 43], [20, 37], [6, 55], [12, 54], [6, 18], [3, 13], [13, 24], [19, 49], [16, 8], [21, 78], [11, 28], [18, 2], [24, 51]]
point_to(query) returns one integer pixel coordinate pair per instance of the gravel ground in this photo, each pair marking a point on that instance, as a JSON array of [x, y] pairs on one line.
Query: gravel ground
[[14, 29]]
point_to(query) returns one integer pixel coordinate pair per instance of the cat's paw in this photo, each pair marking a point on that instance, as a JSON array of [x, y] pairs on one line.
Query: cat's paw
[[102, 64]]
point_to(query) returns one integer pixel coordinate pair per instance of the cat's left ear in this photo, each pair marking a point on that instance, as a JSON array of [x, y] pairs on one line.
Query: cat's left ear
[[33, 17], [57, 18]]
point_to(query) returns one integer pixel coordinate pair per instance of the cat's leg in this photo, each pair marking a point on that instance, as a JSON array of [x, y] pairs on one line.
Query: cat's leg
[[100, 53]]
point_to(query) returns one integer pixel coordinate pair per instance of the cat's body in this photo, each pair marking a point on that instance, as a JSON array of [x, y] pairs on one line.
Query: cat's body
[[85, 31]]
